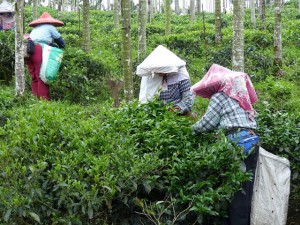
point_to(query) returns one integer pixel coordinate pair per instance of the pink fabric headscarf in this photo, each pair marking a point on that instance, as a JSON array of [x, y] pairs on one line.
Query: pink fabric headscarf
[[236, 85]]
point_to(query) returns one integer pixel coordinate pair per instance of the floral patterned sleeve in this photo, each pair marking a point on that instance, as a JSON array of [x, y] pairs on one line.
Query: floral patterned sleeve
[[188, 98]]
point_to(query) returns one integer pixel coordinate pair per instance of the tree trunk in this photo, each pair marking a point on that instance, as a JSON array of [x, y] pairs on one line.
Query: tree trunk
[[277, 35], [204, 33], [159, 6], [108, 5], [252, 8], [218, 37], [19, 49], [167, 8], [154, 6], [115, 87], [86, 26], [263, 13], [177, 6], [63, 5], [150, 10], [198, 6], [59, 4], [34, 10], [238, 36], [127, 54], [142, 27], [192, 10], [116, 13], [225, 6], [73, 5]]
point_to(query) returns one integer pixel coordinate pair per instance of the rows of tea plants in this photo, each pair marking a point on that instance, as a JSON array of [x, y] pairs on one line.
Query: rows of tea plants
[[69, 164], [76, 160]]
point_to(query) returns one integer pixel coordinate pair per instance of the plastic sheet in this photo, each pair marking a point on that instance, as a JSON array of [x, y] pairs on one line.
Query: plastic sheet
[[52, 58]]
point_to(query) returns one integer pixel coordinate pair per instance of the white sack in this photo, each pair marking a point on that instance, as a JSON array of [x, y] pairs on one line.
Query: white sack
[[271, 190], [160, 60], [149, 87], [6, 7]]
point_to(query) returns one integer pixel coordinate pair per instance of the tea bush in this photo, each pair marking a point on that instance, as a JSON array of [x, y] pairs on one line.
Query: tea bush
[[82, 78], [63, 163], [7, 56], [280, 134], [272, 87]]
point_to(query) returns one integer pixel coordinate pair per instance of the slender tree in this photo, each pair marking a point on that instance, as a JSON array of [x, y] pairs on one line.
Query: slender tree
[[252, 8], [19, 49], [59, 6], [198, 6], [183, 6], [225, 3], [127, 54], [108, 5], [263, 13], [177, 6], [155, 5], [204, 32], [86, 26], [218, 36], [167, 8], [34, 10], [116, 13], [299, 6], [277, 35], [159, 6], [142, 27], [192, 10], [238, 36], [64, 5], [150, 10]]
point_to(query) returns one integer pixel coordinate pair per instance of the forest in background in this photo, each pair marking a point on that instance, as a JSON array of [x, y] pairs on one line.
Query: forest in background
[[77, 159]]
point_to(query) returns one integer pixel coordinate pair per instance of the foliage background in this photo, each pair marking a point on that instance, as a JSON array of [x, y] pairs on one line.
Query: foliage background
[[76, 159]]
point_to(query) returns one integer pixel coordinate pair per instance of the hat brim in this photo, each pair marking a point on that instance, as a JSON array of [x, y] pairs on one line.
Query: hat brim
[[54, 22]]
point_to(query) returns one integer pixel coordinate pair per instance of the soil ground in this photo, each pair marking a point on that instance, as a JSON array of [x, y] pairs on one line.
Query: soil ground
[[294, 213]]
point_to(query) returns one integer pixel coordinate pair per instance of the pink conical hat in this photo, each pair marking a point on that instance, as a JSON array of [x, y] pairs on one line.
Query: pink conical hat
[[46, 18]]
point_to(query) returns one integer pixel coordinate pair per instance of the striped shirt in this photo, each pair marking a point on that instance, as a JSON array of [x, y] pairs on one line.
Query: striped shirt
[[223, 113], [179, 93]]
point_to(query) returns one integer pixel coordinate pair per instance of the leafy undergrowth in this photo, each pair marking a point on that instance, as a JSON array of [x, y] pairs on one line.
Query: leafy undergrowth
[[69, 164]]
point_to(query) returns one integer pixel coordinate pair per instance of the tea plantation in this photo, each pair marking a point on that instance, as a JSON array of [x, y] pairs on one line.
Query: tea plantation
[[77, 160]]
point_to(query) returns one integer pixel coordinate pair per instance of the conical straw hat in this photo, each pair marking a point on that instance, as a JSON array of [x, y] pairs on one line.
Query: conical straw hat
[[46, 18]]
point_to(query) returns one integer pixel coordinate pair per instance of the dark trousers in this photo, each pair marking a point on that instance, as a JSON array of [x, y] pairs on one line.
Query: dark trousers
[[240, 207]]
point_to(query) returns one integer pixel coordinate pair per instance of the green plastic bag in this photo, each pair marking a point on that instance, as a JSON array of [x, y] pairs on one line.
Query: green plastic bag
[[52, 58]]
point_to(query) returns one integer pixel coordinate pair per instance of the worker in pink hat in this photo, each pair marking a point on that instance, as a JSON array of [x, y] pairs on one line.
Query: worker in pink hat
[[44, 32], [232, 95]]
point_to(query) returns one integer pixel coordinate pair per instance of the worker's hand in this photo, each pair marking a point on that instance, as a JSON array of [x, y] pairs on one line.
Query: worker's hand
[[218, 137], [175, 109], [192, 115]]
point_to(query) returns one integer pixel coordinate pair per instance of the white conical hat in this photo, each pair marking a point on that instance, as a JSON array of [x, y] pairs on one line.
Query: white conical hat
[[160, 60]]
